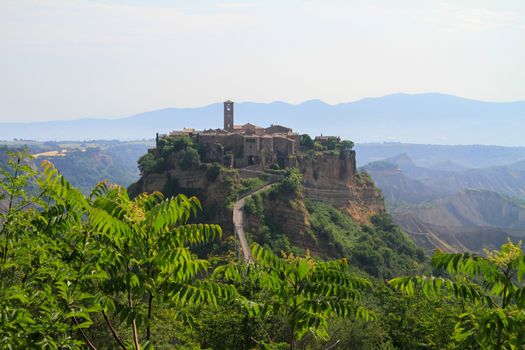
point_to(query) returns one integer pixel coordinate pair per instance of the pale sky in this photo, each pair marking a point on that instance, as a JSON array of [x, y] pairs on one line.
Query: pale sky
[[65, 59]]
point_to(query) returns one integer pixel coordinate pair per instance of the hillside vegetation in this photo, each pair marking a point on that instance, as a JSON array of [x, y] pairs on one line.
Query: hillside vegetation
[[105, 271], [86, 163]]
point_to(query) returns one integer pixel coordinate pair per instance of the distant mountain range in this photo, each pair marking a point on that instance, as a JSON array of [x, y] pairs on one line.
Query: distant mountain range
[[422, 118], [451, 207], [442, 157], [508, 180]]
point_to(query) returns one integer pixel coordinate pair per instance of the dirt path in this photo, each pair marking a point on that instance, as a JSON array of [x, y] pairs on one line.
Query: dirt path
[[238, 221]]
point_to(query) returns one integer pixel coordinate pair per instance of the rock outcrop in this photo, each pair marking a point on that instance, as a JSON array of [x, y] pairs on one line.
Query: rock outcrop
[[329, 177], [333, 178], [289, 216], [213, 193]]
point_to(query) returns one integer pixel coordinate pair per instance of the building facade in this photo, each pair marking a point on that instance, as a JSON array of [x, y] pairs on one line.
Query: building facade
[[245, 145]]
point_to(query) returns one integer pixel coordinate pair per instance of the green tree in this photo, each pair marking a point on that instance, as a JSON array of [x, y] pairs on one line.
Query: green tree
[[66, 259], [147, 163], [307, 142], [174, 144], [347, 145], [213, 171], [490, 290], [292, 182], [331, 144], [305, 292], [45, 260], [190, 159], [148, 258]]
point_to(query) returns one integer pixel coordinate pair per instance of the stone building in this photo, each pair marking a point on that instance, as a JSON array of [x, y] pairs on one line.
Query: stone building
[[245, 145]]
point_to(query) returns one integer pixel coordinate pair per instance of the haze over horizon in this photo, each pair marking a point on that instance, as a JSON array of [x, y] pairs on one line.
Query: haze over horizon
[[419, 118], [74, 59], [122, 116]]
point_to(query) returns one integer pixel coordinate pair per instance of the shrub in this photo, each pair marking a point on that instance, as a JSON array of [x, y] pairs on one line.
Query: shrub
[[307, 142], [213, 172], [190, 159], [147, 163], [292, 182], [346, 145], [228, 159], [319, 147], [331, 144]]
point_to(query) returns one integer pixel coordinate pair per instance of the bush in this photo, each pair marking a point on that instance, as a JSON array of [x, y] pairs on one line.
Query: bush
[[147, 163], [173, 144], [318, 147], [228, 159], [213, 172], [274, 166], [190, 159], [347, 145], [307, 142], [331, 144], [381, 249], [292, 182]]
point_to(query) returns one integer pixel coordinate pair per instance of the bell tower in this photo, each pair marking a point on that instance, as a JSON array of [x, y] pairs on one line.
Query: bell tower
[[228, 115]]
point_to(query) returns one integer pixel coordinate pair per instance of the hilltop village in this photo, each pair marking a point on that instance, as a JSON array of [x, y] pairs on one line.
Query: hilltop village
[[240, 146]]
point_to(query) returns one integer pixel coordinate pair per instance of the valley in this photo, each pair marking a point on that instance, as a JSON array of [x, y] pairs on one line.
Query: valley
[[440, 201], [262, 175], [453, 207], [85, 163]]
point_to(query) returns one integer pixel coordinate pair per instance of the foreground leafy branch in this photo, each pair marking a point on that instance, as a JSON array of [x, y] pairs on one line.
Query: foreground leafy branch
[[305, 292], [491, 290], [66, 258]]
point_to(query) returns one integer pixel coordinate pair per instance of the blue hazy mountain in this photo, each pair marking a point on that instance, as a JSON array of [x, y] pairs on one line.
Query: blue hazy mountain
[[422, 118]]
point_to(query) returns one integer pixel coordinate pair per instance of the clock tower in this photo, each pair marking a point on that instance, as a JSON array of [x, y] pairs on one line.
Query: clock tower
[[228, 115]]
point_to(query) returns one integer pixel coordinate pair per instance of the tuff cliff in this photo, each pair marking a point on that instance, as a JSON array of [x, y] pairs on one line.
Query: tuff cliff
[[334, 212], [332, 178], [327, 177], [214, 188], [319, 203], [270, 218]]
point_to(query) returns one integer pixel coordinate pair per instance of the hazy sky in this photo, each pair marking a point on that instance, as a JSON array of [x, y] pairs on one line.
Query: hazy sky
[[67, 59]]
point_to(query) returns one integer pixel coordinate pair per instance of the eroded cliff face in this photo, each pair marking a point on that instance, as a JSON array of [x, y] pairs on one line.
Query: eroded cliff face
[[213, 194], [327, 177], [332, 178], [287, 215]]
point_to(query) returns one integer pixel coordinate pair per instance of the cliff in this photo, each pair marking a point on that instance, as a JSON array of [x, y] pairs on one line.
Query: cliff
[[333, 178], [213, 191], [320, 203], [327, 177], [284, 223]]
